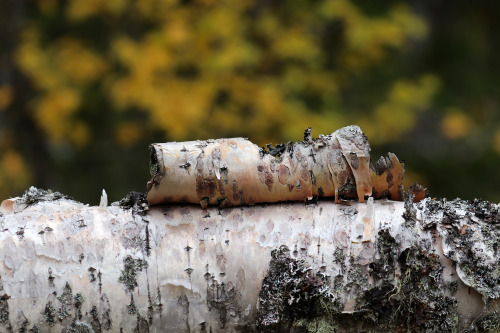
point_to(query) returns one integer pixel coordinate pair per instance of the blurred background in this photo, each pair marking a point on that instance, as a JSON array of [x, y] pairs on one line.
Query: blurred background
[[86, 85]]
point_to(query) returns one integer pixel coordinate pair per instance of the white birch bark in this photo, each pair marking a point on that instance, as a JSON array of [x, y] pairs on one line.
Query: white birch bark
[[68, 267]]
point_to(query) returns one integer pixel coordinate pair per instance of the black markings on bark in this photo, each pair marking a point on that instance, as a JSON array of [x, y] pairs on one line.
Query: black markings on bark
[[307, 135], [81, 257], [22, 322], [91, 271], [312, 156], [20, 232], [320, 192], [158, 292], [104, 313], [142, 325], [99, 275], [313, 180], [148, 246], [51, 279], [78, 301], [34, 329], [150, 302], [4, 309], [183, 303], [96, 324], [224, 298], [131, 308]]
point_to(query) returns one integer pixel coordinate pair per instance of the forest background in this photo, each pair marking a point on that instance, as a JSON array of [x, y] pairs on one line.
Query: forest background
[[86, 85]]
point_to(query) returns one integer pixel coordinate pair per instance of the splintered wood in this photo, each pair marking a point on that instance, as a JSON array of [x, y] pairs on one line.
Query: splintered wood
[[231, 172]]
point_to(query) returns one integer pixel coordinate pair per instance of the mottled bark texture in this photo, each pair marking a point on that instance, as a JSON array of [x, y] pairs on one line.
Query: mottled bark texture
[[232, 172], [379, 266]]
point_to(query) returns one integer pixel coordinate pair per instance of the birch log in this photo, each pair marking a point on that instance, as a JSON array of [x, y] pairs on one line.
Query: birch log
[[231, 172], [378, 266]]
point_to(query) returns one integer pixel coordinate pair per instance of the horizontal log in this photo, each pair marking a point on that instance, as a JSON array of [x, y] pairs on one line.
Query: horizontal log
[[378, 266], [232, 172]]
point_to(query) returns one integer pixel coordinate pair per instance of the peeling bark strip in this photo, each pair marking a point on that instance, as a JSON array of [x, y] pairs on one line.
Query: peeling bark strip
[[232, 172], [383, 266]]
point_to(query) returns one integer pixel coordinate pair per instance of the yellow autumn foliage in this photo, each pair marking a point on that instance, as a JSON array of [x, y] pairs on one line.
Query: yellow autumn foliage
[[206, 68], [6, 96], [456, 124]]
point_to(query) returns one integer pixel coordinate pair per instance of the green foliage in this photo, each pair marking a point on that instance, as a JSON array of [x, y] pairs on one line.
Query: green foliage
[[90, 83]]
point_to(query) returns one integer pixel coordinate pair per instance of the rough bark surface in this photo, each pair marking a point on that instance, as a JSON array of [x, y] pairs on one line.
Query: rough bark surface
[[366, 267]]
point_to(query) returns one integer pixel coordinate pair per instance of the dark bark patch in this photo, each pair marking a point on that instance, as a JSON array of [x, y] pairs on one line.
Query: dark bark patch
[[142, 325], [4, 309], [34, 195], [183, 303], [205, 187], [49, 314], [291, 292], [354, 160], [283, 174], [223, 297], [136, 201]]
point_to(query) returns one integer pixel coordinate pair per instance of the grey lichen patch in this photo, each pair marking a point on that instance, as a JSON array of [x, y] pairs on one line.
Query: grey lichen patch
[[410, 212], [414, 298], [80, 327], [78, 301], [66, 300], [471, 238], [292, 293], [489, 323], [49, 314], [34, 195], [136, 235], [401, 290], [129, 273]]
